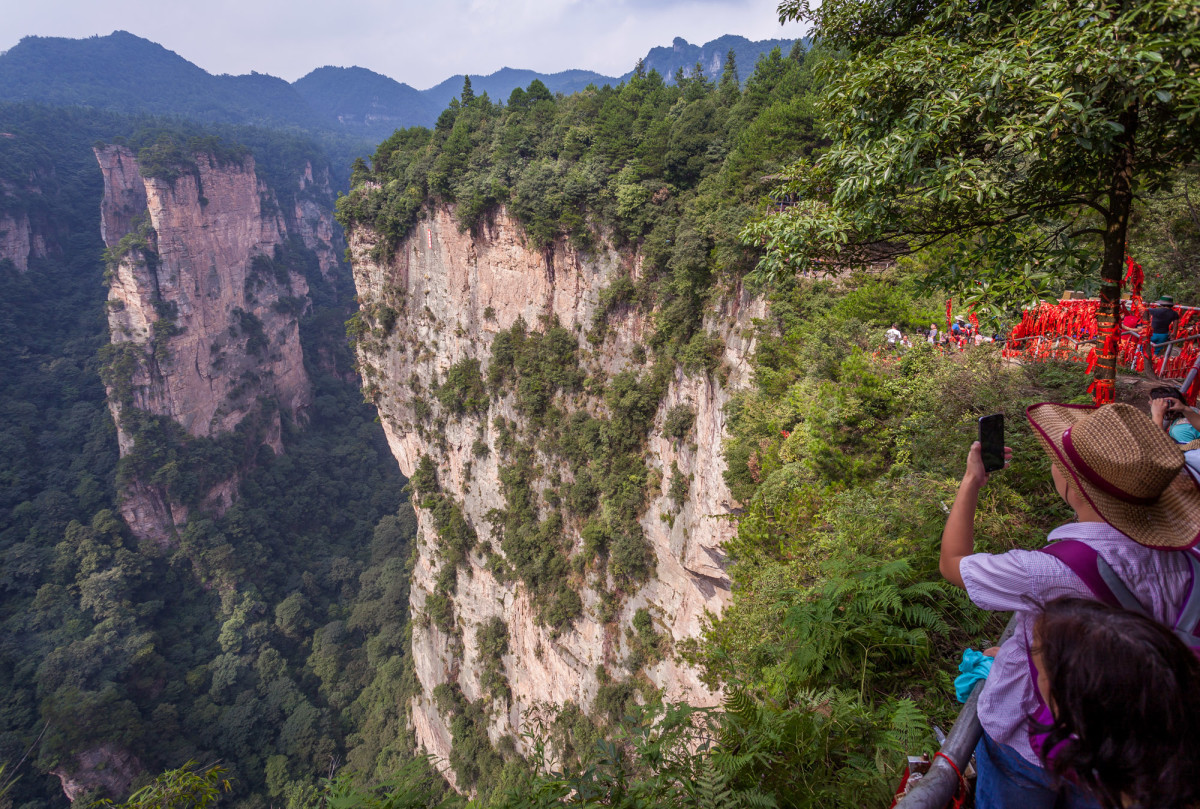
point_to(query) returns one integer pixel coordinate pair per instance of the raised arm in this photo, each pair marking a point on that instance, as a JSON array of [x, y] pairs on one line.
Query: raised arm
[[958, 537]]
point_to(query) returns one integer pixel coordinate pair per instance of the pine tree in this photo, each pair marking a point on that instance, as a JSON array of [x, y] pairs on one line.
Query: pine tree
[[730, 84]]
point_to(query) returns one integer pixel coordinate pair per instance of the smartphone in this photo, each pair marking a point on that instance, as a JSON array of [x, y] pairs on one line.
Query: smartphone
[[991, 437]]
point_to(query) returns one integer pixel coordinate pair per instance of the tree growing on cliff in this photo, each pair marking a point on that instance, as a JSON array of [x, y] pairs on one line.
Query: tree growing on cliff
[[1015, 134]]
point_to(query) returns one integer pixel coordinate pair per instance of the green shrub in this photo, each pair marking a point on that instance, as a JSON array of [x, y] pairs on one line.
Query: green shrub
[[440, 609], [630, 560], [491, 641], [463, 390], [424, 477], [678, 421], [679, 485]]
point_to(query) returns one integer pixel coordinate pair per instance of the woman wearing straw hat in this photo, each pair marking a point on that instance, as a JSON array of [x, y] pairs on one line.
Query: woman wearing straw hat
[[1134, 504]]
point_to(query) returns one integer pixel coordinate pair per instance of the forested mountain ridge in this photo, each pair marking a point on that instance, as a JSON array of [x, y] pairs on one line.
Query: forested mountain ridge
[[710, 56], [554, 380], [126, 73], [364, 101], [350, 108]]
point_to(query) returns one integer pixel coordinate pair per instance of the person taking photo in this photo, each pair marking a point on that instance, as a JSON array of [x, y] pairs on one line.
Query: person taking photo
[[1135, 508]]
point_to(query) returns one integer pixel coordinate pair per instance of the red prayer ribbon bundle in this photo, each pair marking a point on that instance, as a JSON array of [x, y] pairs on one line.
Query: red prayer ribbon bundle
[[1069, 330]]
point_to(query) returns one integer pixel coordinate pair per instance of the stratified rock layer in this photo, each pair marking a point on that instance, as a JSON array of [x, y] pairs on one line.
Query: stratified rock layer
[[211, 323], [453, 292]]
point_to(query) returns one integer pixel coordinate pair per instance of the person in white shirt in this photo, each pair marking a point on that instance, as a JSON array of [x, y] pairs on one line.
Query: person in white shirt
[[894, 337], [1137, 511]]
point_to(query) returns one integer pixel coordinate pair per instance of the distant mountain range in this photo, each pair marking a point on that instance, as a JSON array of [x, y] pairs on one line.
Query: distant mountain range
[[126, 73]]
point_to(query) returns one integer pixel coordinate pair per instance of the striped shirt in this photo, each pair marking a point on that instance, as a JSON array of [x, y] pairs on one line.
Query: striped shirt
[[1020, 581]]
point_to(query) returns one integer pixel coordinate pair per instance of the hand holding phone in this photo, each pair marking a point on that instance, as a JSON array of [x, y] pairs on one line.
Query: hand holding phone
[[991, 440]]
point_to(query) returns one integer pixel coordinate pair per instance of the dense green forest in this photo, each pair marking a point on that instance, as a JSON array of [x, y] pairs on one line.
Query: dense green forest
[[273, 638]]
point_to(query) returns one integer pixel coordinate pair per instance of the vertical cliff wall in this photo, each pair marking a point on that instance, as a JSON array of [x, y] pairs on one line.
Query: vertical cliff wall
[[310, 218], [26, 230], [203, 319], [428, 311], [19, 242]]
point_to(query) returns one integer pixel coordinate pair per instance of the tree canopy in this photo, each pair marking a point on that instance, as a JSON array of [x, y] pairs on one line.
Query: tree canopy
[[1014, 134]]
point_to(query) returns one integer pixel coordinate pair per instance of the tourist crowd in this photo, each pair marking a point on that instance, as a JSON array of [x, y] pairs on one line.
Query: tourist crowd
[[958, 336]]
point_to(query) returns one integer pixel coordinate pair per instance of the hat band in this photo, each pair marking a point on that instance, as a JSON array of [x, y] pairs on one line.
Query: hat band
[[1095, 477]]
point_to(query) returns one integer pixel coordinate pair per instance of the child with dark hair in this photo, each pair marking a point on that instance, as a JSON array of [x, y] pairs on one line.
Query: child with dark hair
[[1124, 694], [1137, 511], [1169, 410]]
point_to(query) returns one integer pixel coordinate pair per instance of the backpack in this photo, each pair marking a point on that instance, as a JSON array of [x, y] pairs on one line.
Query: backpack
[[1107, 587]]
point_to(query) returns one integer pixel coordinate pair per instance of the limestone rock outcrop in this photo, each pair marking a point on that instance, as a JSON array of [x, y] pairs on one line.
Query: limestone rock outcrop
[[311, 219], [106, 768], [449, 293], [204, 322], [26, 232], [19, 242]]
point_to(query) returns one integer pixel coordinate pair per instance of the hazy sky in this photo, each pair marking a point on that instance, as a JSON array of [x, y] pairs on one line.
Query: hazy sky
[[413, 41]]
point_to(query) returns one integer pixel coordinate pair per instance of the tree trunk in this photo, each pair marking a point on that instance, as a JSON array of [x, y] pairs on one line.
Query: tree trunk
[[1120, 204]]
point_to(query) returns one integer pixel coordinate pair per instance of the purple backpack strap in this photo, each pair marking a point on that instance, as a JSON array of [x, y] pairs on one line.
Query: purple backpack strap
[[1106, 586], [1095, 573], [1187, 626]]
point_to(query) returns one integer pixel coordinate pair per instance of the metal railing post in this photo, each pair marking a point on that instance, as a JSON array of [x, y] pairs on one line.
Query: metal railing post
[[1191, 375], [938, 785]]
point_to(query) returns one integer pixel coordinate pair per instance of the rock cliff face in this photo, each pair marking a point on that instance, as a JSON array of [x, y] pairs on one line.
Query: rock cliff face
[[450, 293], [19, 242], [22, 236], [203, 317], [311, 219], [107, 768]]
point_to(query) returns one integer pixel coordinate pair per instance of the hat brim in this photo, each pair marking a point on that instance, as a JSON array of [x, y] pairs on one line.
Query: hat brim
[[1172, 522]]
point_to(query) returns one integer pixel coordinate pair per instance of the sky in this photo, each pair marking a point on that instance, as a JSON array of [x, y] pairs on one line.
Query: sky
[[419, 42]]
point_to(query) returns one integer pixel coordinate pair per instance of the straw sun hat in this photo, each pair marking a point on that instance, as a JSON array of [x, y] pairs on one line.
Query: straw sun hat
[[1131, 472]]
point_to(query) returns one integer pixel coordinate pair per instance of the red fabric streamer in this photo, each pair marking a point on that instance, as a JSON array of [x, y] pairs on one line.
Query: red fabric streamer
[[1069, 330]]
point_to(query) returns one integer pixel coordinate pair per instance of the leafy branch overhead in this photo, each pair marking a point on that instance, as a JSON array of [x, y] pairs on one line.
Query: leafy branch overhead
[[1012, 133]]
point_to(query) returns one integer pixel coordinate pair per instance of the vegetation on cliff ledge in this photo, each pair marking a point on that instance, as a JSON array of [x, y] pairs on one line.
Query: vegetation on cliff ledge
[[673, 171], [839, 643]]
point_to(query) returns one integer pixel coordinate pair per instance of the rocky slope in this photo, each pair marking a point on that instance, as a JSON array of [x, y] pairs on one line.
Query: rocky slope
[[203, 312], [441, 298]]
